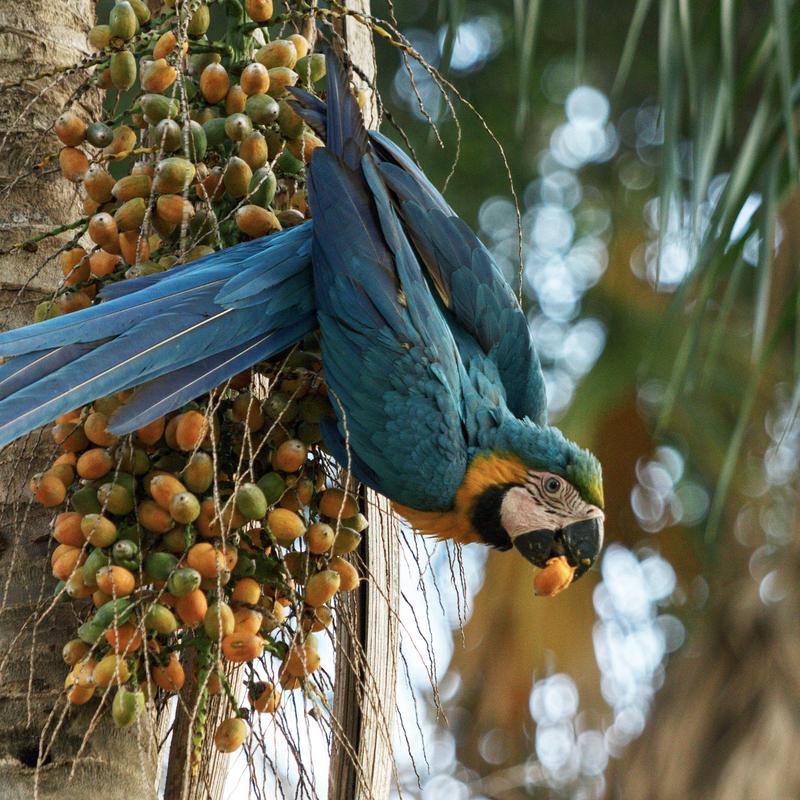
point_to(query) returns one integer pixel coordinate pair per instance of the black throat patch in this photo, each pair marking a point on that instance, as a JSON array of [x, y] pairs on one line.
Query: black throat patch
[[485, 517]]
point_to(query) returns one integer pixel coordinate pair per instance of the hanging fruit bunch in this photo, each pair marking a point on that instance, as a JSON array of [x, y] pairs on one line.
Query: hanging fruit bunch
[[214, 535]]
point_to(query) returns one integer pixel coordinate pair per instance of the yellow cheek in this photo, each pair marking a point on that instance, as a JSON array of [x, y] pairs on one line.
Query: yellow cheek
[[484, 471]]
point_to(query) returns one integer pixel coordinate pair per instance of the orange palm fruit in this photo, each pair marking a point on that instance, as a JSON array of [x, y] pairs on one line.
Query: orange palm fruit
[[241, 647], [171, 676], [300, 44], [334, 503], [285, 525], [214, 83], [247, 620], [98, 183], [211, 187], [253, 150], [173, 208], [280, 78], [115, 581], [278, 53], [230, 735], [131, 186], [166, 44], [152, 432], [246, 590], [290, 456], [191, 430], [304, 147], [319, 537], [173, 175], [96, 429], [348, 575], [248, 410], [111, 669], [75, 586], [74, 301], [235, 100], [74, 164], [48, 490], [102, 263], [123, 141], [90, 206], [256, 221], [153, 517], [74, 265], [211, 561], [219, 621], [134, 247], [130, 215], [264, 698], [94, 463], [67, 529], [237, 177], [70, 436], [157, 76], [259, 10], [98, 530], [79, 695], [163, 487], [254, 79], [192, 607], [104, 232], [65, 559], [321, 587], [198, 474], [125, 638], [74, 650], [70, 128], [104, 79], [302, 659]]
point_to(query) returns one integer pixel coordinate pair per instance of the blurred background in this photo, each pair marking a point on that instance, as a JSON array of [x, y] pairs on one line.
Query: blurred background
[[652, 148]]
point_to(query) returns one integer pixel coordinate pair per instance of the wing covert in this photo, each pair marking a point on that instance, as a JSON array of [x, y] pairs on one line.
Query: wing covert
[[390, 359], [467, 280]]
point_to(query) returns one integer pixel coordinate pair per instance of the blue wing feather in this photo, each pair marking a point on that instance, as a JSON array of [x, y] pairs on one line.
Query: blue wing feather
[[176, 319], [459, 267], [390, 360], [155, 398]]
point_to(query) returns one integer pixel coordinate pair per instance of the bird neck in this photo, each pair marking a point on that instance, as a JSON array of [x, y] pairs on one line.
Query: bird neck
[[487, 471]]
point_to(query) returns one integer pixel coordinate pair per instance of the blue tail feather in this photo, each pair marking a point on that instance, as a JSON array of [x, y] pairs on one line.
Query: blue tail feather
[[181, 332], [159, 396]]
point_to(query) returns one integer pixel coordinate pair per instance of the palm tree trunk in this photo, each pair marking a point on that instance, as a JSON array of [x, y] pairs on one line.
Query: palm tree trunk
[[44, 750]]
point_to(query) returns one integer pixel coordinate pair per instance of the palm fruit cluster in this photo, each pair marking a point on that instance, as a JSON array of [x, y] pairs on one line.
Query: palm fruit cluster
[[198, 148], [215, 530]]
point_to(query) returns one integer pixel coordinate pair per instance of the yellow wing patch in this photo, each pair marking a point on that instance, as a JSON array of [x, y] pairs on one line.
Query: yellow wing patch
[[485, 470]]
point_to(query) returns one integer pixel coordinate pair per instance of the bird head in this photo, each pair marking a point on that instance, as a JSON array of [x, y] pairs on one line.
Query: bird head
[[554, 509]]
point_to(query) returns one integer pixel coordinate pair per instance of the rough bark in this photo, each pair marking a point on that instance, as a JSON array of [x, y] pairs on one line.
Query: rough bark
[[41, 742]]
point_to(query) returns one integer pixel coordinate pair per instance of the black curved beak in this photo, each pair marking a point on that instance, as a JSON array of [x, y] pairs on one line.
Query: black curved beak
[[580, 542]]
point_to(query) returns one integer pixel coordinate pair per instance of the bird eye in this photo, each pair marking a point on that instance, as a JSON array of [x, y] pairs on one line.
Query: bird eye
[[552, 485]]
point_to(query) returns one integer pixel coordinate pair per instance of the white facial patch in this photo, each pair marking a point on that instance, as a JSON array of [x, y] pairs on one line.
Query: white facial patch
[[521, 513]]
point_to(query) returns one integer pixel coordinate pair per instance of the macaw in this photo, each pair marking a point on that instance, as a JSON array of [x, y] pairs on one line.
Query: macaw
[[436, 384]]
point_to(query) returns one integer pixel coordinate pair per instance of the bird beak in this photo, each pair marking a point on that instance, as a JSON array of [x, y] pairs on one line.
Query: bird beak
[[583, 541], [537, 546], [579, 542]]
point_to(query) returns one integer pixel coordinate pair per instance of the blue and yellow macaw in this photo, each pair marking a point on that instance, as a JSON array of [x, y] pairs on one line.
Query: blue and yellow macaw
[[436, 383]]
